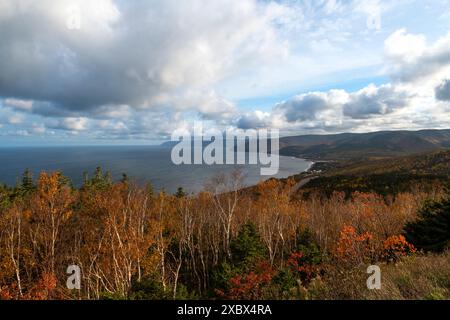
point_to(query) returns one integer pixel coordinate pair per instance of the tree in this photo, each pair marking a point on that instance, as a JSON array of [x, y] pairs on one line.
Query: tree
[[51, 209], [226, 193], [431, 231], [99, 180], [180, 193], [247, 247], [27, 185]]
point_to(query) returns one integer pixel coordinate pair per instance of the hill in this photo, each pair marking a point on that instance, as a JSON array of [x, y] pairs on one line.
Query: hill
[[434, 163], [372, 145], [385, 176]]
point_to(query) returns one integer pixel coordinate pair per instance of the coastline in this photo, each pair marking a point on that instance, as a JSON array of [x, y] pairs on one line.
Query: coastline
[[141, 164]]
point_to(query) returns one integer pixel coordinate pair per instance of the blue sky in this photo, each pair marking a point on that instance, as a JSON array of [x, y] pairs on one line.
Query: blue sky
[[132, 72]]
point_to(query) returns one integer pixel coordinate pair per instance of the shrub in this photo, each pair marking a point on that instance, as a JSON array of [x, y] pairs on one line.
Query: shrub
[[250, 286], [353, 248], [396, 247]]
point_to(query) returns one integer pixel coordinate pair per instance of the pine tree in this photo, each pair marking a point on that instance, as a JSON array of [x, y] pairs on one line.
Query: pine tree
[[431, 232], [180, 193], [27, 184], [125, 179], [247, 247]]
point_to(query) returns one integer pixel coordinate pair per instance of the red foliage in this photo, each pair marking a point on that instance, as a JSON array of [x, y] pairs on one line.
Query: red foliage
[[396, 247], [251, 285], [8, 292], [45, 289], [298, 264]]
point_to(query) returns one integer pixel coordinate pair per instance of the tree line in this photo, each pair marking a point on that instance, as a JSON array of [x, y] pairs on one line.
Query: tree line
[[227, 242]]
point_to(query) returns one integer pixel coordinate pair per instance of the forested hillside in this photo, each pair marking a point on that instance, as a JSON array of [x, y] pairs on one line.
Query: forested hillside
[[384, 176], [223, 243], [365, 145]]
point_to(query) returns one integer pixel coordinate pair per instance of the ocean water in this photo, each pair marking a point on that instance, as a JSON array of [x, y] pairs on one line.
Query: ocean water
[[141, 163]]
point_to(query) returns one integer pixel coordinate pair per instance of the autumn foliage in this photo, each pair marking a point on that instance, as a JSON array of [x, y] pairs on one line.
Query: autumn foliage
[[396, 247], [354, 247], [249, 286], [225, 242]]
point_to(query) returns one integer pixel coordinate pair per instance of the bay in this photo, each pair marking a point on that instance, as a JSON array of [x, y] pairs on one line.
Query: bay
[[141, 163]]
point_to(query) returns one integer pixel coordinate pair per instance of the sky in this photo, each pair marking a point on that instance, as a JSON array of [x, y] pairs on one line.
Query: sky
[[132, 72]]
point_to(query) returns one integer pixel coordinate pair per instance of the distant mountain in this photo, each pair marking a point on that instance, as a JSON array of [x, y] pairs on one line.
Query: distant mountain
[[365, 145], [171, 144]]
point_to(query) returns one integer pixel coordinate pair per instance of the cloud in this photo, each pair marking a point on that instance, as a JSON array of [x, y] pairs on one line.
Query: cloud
[[114, 69], [419, 80], [443, 91], [373, 9], [254, 120], [72, 124], [374, 100], [15, 119], [311, 106], [337, 104], [410, 58], [26, 105], [126, 54]]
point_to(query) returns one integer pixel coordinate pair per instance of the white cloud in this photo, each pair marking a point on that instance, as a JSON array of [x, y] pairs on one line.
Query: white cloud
[[26, 105], [73, 124], [15, 119], [410, 59]]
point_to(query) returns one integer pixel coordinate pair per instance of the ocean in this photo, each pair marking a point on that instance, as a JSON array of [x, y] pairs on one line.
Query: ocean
[[141, 163]]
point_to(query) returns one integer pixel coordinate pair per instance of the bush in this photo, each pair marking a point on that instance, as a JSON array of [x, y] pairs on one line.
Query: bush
[[148, 289]]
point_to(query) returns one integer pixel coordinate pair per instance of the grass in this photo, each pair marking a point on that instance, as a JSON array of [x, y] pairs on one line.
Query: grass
[[418, 277]]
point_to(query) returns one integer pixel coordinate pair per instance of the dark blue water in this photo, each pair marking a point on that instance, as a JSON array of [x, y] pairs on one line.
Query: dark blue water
[[141, 163]]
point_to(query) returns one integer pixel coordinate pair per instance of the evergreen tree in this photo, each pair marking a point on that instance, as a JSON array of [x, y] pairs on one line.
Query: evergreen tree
[[180, 193], [431, 232], [99, 180], [27, 180], [125, 179], [307, 245], [247, 247]]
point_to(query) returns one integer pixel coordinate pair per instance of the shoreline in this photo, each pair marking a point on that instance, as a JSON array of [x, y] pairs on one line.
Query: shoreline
[[289, 167]]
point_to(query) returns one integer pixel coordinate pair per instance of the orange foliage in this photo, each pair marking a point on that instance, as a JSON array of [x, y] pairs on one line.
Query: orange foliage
[[45, 288], [395, 247], [354, 247]]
